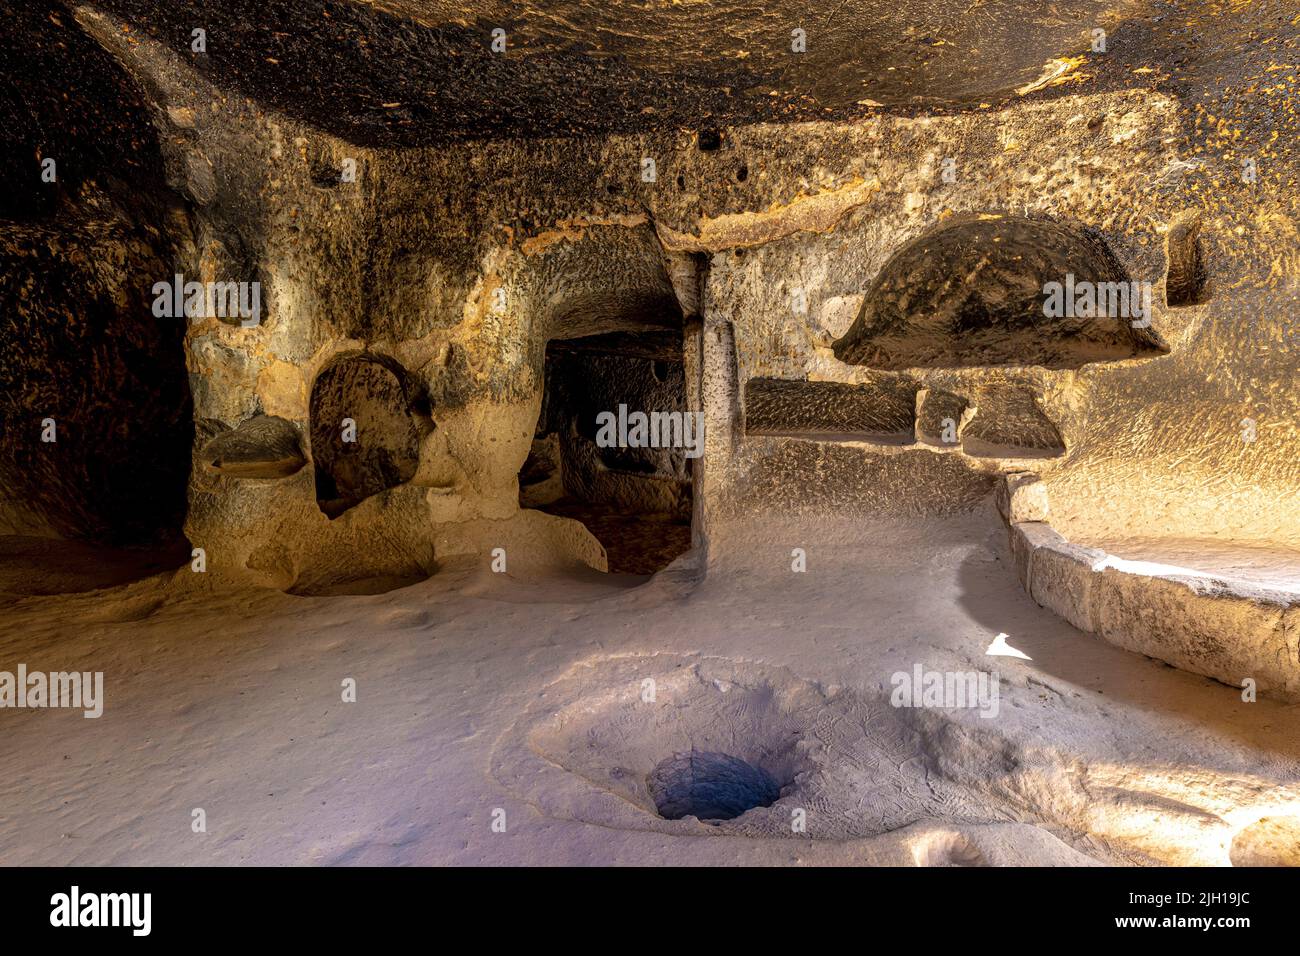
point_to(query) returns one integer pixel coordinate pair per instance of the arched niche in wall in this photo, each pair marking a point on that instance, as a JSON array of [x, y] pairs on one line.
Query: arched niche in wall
[[366, 423], [1001, 290]]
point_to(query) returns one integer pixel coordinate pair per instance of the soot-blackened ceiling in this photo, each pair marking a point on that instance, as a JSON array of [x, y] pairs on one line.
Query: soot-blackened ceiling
[[408, 72]]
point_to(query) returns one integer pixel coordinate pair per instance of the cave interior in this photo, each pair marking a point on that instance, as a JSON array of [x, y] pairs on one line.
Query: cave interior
[[652, 418]]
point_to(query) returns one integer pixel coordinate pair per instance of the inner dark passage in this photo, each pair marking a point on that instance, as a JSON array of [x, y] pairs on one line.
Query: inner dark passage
[[635, 499]]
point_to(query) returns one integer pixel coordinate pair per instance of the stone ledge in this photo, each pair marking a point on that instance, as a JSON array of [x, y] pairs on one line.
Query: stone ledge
[[1221, 629]]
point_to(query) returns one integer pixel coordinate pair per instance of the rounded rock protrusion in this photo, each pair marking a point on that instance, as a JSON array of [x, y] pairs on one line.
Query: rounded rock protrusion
[[975, 292]]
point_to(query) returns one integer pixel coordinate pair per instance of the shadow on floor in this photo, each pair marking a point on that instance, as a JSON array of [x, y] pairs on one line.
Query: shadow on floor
[[31, 566], [1058, 648]]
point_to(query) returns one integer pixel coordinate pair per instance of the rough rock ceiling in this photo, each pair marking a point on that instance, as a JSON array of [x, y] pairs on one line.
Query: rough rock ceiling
[[423, 71]]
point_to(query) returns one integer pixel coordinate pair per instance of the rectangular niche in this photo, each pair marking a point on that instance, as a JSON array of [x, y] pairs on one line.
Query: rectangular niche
[[881, 412]]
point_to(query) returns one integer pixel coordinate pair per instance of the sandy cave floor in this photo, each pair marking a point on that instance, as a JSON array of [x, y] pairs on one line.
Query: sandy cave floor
[[480, 692]]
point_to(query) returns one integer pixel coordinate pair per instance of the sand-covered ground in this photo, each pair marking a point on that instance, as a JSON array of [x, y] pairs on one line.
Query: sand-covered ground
[[504, 719]]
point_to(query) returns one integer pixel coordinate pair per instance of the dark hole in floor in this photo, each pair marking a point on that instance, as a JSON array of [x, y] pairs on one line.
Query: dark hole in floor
[[709, 786]]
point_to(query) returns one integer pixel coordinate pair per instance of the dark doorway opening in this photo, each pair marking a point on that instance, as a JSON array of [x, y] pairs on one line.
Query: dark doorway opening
[[633, 495]]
